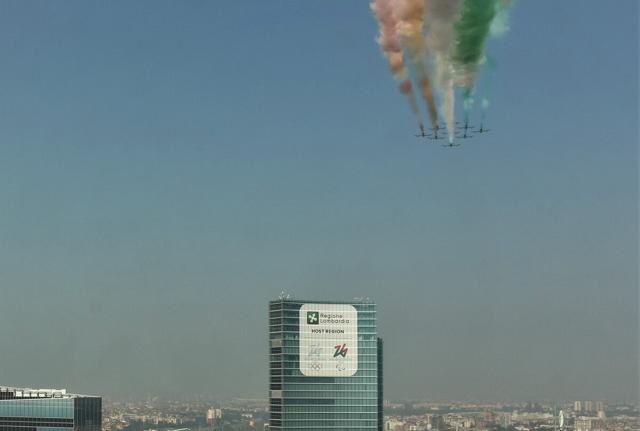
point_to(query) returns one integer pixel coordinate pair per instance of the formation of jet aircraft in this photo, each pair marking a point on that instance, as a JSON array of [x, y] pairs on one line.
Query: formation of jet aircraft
[[462, 131]]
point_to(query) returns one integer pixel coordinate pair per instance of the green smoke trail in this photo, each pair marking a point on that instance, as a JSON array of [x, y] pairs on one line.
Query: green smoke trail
[[490, 70], [467, 102], [472, 29]]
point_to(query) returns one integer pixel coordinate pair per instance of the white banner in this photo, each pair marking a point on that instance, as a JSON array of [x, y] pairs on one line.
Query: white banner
[[328, 340]]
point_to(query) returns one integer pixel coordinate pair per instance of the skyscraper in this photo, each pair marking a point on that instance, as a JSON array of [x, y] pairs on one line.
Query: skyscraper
[[48, 410], [325, 365]]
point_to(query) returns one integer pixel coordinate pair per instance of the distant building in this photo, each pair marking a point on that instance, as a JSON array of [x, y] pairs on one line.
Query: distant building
[[325, 366], [489, 417], [588, 406], [212, 415], [437, 422], [394, 425], [505, 420], [599, 406], [588, 424], [24, 409], [577, 406]]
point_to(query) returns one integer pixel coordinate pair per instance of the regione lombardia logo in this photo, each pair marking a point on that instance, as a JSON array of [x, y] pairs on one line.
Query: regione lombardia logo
[[313, 318]]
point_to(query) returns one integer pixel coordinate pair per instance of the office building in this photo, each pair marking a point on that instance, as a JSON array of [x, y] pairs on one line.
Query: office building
[[325, 365], [48, 410]]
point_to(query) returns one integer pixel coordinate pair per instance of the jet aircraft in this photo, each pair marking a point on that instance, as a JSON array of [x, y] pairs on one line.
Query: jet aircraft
[[434, 136], [464, 136], [482, 129], [465, 127]]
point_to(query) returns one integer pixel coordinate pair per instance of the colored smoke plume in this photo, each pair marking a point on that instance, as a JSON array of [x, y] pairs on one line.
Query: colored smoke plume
[[440, 18], [471, 30], [390, 44], [410, 16], [443, 43]]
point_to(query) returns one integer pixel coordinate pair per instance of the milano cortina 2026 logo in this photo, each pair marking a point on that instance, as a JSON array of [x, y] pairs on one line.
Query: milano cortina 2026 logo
[[341, 350]]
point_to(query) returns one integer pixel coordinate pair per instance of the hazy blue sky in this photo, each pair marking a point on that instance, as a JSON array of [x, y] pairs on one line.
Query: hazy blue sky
[[168, 167]]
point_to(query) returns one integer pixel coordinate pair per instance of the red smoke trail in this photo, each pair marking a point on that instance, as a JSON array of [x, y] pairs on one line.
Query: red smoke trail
[[410, 15], [390, 45]]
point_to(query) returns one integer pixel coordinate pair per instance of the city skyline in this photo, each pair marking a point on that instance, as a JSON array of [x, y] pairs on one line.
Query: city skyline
[[248, 415], [167, 168]]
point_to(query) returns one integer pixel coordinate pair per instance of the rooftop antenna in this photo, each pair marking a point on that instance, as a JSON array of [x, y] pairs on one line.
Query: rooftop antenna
[[284, 295]]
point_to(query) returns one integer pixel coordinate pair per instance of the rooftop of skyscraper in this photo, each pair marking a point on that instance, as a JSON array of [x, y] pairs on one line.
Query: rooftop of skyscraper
[[8, 392]]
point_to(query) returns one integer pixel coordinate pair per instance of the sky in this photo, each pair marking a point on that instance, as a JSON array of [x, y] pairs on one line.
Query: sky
[[167, 168]]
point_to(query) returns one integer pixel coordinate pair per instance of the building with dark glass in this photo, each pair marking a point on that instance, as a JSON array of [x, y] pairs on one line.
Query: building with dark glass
[[325, 365], [48, 410]]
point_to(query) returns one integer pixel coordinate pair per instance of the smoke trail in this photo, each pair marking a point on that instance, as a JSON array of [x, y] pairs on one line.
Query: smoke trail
[[500, 24], [467, 102], [427, 94], [490, 69], [472, 30], [441, 14], [390, 45], [410, 15], [407, 90]]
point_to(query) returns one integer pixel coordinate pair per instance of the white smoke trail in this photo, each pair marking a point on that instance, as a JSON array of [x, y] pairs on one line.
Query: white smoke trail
[[440, 17], [500, 24]]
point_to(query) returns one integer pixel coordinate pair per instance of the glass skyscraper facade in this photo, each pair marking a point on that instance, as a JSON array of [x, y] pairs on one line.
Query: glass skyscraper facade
[[325, 366], [48, 410]]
